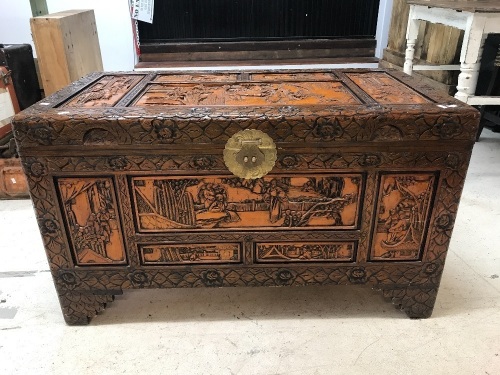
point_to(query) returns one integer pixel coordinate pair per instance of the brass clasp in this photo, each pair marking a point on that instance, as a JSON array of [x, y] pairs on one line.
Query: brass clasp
[[250, 154]]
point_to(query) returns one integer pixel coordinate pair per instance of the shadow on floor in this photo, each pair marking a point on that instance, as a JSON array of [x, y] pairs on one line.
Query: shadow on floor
[[260, 303]]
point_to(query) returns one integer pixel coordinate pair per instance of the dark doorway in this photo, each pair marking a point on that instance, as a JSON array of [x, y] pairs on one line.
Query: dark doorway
[[259, 29]]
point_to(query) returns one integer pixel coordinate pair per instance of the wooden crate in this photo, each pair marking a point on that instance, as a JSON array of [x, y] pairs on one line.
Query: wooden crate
[[67, 47]]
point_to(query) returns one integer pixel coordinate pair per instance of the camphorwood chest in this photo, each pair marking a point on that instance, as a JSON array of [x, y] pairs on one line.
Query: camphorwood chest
[[263, 178]]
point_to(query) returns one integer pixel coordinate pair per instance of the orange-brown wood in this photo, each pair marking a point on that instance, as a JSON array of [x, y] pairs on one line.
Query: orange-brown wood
[[305, 252], [170, 203], [91, 216], [385, 89], [403, 214], [244, 94], [106, 92], [13, 183], [132, 189], [191, 254]]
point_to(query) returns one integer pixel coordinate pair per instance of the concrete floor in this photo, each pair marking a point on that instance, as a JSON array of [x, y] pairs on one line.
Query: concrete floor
[[305, 330]]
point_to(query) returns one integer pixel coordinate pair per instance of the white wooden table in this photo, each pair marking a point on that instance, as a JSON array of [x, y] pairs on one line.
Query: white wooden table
[[477, 18]]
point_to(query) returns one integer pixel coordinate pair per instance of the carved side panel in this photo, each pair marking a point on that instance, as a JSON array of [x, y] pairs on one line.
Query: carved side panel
[[403, 211], [164, 204], [305, 252], [385, 89], [190, 254], [106, 92], [91, 216]]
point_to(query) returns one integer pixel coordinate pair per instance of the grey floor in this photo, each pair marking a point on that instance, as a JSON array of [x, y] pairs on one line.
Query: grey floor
[[306, 330]]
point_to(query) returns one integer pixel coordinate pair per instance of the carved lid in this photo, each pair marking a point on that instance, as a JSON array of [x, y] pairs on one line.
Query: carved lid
[[209, 107]]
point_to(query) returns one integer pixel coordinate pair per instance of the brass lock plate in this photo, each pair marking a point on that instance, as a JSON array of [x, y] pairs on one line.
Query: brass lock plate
[[250, 154]]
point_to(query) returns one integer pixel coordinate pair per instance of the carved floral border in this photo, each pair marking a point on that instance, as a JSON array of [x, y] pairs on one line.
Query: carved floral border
[[453, 167]]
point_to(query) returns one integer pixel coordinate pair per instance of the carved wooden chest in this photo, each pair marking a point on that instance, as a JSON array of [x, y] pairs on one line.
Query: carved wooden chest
[[163, 180]]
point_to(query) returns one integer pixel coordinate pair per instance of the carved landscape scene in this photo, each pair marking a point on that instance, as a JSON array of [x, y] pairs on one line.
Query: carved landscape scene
[[305, 252], [385, 89], [92, 220], [246, 94], [106, 92], [403, 211], [176, 203], [191, 253]]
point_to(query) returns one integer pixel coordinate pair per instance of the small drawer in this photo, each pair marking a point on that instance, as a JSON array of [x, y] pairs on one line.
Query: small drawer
[[304, 252], [190, 253]]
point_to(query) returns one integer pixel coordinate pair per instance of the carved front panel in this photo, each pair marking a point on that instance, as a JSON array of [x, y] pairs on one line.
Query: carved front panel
[[305, 252], [91, 217], [385, 89], [165, 204], [403, 211], [190, 254], [106, 92], [246, 94]]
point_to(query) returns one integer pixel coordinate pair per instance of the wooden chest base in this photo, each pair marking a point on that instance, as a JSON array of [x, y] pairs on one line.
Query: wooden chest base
[[132, 186]]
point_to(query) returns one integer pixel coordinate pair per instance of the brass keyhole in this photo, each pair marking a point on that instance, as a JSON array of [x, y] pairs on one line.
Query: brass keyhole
[[254, 159], [250, 155]]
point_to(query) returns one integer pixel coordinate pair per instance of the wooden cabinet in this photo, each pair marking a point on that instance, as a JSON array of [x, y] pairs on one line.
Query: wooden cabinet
[[67, 47], [356, 177]]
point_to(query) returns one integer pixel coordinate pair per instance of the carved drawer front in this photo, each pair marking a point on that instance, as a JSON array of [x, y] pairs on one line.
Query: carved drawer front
[[286, 252], [192, 253], [91, 219], [322, 201], [403, 213]]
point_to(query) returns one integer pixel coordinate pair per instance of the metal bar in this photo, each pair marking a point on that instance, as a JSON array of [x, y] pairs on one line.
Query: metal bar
[[483, 100], [39, 7], [436, 67]]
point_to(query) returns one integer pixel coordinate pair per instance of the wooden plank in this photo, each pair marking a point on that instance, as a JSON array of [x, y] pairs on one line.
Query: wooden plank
[[67, 47], [158, 65], [484, 100], [257, 55], [464, 5], [436, 67], [445, 16], [397, 31], [302, 44]]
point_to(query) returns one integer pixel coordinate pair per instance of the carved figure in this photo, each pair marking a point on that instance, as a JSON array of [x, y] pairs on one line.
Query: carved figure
[[169, 203]]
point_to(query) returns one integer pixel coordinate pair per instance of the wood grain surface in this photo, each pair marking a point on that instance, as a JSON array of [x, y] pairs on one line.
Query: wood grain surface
[[365, 188]]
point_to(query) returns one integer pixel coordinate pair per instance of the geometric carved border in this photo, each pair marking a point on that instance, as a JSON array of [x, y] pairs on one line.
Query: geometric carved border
[[73, 284]]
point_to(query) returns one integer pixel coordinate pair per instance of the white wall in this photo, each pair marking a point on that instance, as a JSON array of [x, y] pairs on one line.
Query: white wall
[[14, 22], [383, 25], [112, 19], [114, 26]]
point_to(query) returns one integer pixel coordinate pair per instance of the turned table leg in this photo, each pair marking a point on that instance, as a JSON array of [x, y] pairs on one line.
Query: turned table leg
[[470, 59], [411, 40]]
